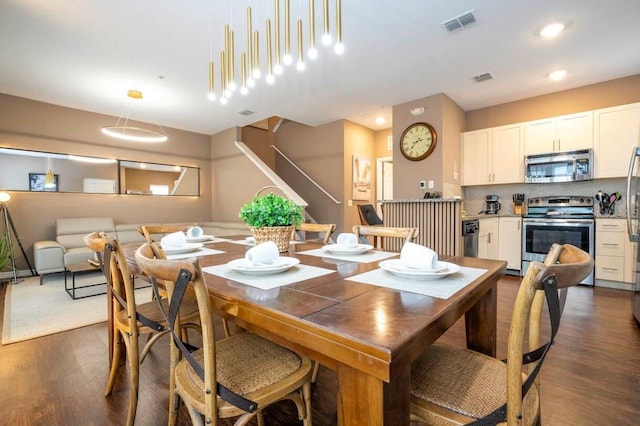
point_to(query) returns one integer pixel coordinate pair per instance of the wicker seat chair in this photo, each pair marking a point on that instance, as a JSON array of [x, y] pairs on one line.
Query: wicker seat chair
[[451, 385], [364, 231], [247, 371], [131, 319], [323, 229]]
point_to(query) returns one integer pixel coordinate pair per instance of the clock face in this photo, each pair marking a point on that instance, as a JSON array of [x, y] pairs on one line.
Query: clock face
[[418, 141]]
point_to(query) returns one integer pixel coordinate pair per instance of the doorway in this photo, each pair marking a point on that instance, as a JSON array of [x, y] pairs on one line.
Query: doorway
[[384, 182]]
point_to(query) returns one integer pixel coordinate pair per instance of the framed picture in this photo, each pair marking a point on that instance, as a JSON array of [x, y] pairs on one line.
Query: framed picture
[[36, 183], [361, 181]]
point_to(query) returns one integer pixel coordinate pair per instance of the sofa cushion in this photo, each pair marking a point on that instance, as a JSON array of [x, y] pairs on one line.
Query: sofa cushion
[[128, 233], [71, 231]]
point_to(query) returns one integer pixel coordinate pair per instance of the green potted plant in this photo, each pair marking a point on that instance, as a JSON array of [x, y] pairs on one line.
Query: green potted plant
[[272, 218]]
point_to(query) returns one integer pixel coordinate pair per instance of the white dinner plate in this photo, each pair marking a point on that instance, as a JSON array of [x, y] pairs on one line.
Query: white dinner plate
[[244, 266], [396, 267], [187, 248], [250, 240], [337, 249], [200, 239]]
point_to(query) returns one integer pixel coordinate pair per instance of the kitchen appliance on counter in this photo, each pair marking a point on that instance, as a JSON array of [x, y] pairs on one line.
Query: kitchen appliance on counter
[[568, 166], [492, 204], [557, 219], [518, 204], [633, 229]]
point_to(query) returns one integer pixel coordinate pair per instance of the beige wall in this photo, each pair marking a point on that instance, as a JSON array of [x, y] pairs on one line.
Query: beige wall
[[381, 145], [39, 126], [358, 140], [235, 179], [601, 95], [447, 119], [318, 151]]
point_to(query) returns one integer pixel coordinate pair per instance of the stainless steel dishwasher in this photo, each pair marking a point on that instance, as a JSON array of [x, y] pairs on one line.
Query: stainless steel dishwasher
[[470, 230]]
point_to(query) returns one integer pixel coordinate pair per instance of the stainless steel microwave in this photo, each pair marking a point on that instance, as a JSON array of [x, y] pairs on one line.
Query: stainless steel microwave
[[568, 166]]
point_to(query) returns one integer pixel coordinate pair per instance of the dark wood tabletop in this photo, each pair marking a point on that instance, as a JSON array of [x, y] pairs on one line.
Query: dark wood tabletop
[[368, 334]]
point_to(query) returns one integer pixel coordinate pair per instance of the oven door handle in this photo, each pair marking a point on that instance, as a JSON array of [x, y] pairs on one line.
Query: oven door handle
[[556, 222], [633, 237]]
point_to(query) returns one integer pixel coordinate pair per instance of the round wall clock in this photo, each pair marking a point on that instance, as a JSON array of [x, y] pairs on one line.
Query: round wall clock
[[418, 141]]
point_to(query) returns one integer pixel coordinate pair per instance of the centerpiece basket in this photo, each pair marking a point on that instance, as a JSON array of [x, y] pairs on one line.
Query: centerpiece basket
[[272, 218]]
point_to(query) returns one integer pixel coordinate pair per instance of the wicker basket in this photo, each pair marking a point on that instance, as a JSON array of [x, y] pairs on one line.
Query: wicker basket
[[281, 235]]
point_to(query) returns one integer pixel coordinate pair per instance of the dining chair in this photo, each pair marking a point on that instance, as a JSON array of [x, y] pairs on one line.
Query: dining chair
[[451, 385], [247, 371], [131, 319], [364, 231], [323, 229], [368, 215]]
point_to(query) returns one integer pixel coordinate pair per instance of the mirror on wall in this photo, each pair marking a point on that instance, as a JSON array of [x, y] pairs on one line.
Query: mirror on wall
[[36, 171], [158, 179]]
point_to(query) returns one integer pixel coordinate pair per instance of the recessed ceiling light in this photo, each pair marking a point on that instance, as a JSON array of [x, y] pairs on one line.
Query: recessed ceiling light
[[380, 120], [552, 30], [558, 75]]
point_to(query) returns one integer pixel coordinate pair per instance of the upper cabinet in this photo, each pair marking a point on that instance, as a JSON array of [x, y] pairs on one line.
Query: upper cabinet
[[563, 133], [493, 155], [616, 133]]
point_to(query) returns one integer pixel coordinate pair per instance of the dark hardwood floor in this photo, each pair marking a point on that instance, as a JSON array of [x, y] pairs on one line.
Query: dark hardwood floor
[[591, 376]]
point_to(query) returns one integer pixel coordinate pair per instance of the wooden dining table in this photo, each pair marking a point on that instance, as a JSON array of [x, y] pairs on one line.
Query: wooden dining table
[[367, 333]]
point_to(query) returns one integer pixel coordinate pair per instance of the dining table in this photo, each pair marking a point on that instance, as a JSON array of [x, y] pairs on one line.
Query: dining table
[[350, 314]]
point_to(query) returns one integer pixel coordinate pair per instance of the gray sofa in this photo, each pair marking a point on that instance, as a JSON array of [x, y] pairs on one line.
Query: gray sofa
[[69, 246]]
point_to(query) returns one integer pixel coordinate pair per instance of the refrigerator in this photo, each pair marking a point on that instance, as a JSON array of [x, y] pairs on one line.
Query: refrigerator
[[633, 224]]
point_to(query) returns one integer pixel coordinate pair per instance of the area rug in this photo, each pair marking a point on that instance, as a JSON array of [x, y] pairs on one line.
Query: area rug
[[33, 310]]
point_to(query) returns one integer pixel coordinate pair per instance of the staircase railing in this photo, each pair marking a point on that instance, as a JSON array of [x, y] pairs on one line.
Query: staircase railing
[[302, 172]]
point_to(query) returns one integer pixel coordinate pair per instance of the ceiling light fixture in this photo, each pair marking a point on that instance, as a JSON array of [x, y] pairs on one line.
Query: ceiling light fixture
[[250, 60], [379, 120], [552, 30], [558, 75], [131, 133]]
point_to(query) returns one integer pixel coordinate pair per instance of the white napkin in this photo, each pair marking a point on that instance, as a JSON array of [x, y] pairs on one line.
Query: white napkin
[[263, 254], [194, 232], [416, 256], [347, 240], [174, 240]]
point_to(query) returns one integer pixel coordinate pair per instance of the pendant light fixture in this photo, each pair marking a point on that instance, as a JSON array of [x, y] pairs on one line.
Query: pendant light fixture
[[132, 133], [253, 60]]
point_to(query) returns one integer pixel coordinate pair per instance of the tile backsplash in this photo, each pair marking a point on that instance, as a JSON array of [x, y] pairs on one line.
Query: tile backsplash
[[474, 196]]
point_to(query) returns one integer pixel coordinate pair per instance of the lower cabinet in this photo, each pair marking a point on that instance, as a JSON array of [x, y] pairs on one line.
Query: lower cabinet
[[501, 238], [615, 254], [510, 243]]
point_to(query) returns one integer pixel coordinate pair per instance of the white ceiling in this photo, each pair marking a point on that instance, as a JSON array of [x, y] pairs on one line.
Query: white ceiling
[[86, 54]]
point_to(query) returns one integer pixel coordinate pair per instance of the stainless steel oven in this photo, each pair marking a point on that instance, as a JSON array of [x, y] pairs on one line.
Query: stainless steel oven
[[563, 220]]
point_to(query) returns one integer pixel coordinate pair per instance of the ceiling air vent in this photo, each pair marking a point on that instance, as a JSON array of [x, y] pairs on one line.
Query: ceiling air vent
[[459, 22], [244, 112], [483, 77]]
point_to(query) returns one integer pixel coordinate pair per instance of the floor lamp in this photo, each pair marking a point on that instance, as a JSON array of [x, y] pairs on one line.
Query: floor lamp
[[7, 222]]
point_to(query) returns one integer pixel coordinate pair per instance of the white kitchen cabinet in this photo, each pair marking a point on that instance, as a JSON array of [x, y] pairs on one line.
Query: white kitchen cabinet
[[562, 133], [488, 237], [510, 241], [616, 133], [494, 155], [475, 157], [615, 254]]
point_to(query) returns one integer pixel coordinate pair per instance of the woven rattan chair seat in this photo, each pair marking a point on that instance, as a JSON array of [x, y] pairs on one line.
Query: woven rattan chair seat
[[245, 363], [483, 389]]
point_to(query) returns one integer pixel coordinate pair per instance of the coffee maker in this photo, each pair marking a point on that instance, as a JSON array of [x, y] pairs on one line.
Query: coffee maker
[[492, 204]]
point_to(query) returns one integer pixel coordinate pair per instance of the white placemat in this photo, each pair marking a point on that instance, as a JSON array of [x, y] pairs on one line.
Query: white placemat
[[247, 243], [295, 274], [367, 257], [442, 288], [217, 240], [200, 252]]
